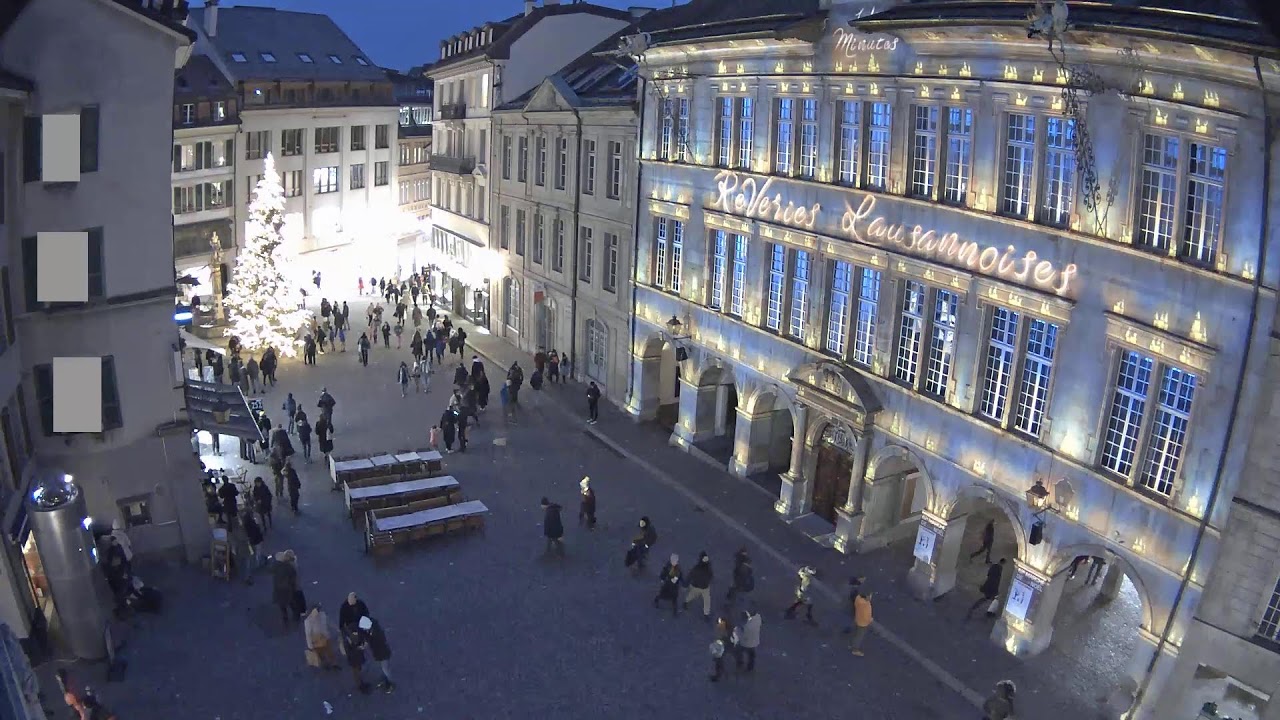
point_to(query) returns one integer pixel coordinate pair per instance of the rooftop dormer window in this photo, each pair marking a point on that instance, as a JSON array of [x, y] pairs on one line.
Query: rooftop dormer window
[[304, 57], [267, 57], [335, 59], [239, 57], [361, 61]]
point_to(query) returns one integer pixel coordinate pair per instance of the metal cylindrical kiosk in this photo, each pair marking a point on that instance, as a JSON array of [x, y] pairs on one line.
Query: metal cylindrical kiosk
[[60, 523]]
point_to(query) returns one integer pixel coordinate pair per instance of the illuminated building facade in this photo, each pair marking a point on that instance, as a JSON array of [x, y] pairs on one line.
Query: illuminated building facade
[[919, 264]]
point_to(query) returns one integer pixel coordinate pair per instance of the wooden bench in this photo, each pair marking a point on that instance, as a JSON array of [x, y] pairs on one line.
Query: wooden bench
[[391, 526], [403, 464], [399, 494]]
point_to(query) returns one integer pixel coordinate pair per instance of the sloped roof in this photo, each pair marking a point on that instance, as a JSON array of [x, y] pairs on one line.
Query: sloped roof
[[200, 78], [594, 79], [507, 32], [719, 18], [1231, 24], [168, 14], [252, 31]]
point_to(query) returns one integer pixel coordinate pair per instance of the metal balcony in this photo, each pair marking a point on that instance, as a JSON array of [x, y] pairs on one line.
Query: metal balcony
[[455, 165], [453, 111]]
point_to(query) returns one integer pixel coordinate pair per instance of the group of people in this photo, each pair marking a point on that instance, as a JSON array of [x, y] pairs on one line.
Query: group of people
[[359, 637]]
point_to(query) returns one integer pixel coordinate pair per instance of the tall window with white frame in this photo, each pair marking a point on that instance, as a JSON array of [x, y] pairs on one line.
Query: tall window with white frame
[[863, 156], [942, 343], [910, 332], [1129, 422], [539, 236], [615, 170], [522, 160], [809, 139], [724, 131], [784, 137], [1059, 171], [719, 264], [682, 151], [1037, 372], [838, 307], [774, 300], [1159, 191], [540, 161], [879, 126], [562, 162], [746, 132], [1019, 165], [504, 227], [864, 334], [506, 157], [959, 155], [738, 277], [667, 130], [677, 256], [850, 142], [557, 254], [588, 167], [661, 252], [924, 151], [1002, 349], [610, 282], [1206, 177], [801, 269], [587, 259]]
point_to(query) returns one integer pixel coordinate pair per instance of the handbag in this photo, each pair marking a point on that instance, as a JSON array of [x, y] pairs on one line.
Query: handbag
[[313, 658], [994, 607]]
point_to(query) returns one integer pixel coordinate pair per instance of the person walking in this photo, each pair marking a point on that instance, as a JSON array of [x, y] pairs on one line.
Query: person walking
[[999, 705], [861, 621], [417, 372], [386, 335], [324, 437], [587, 505], [304, 436], [290, 408], [363, 345], [326, 405], [990, 590], [415, 345], [254, 537], [700, 584], [1095, 569], [719, 647], [261, 496], [670, 579], [641, 545], [515, 378], [746, 640], [353, 647], [803, 596], [553, 366], [593, 403], [744, 579], [268, 366], [448, 429], [284, 585], [552, 527], [71, 692], [988, 539], [399, 331], [295, 485], [321, 652], [379, 649], [433, 438], [402, 377], [481, 385], [508, 408], [251, 370], [535, 384]]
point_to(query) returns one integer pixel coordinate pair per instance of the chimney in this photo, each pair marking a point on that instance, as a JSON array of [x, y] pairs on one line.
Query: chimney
[[550, 2], [211, 18], [528, 6], [639, 11]]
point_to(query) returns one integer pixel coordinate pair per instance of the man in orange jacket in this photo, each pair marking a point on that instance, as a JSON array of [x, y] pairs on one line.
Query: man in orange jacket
[[861, 621]]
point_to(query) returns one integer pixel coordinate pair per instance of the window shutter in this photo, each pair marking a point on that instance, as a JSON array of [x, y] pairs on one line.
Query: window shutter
[[177, 158], [97, 274], [43, 376], [5, 297], [32, 134], [29, 270], [89, 139], [111, 415], [229, 152]]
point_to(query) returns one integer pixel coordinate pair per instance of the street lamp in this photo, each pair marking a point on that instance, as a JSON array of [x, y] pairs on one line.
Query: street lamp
[[1038, 500], [673, 328]]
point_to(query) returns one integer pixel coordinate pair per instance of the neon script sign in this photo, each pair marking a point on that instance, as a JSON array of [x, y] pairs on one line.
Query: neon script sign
[[750, 198], [849, 44]]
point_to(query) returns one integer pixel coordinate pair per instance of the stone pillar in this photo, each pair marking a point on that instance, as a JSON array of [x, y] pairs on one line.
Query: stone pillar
[[1111, 582], [849, 519], [1143, 652], [642, 405], [1030, 604], [697, 414], [751, 443], [791, 499], [937, 551]]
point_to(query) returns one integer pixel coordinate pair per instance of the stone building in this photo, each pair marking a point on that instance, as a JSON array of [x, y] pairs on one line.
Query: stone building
[[479, 69], [413, 184], [564, 218], [935, 273], [109, 210]]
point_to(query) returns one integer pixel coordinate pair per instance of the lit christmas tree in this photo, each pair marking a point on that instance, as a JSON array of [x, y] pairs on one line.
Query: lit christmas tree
[[263, 301]]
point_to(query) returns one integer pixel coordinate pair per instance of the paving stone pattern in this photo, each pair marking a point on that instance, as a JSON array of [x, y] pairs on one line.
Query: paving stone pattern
[[488, 626]]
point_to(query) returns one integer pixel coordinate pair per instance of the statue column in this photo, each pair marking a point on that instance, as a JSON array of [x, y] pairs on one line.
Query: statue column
[[849, 517], [791, 497], [219, 315]]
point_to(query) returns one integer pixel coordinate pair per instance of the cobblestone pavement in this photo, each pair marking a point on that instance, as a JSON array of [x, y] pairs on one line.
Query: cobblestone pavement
[[486, 625], [1092, 643]]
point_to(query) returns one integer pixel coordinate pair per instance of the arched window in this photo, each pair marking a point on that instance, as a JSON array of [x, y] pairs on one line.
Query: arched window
[[597, 350]]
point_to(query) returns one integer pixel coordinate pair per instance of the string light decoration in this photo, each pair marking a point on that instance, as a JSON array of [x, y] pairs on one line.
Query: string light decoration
[[263, 302]]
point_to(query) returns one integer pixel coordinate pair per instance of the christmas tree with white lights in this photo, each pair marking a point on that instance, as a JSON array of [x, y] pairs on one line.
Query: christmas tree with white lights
[[263, 301]]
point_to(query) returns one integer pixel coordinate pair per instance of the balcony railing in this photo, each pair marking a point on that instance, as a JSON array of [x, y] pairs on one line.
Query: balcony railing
[[453, 111], [455, 165]]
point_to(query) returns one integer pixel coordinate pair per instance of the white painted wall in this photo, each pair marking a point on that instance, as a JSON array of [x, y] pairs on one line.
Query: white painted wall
[[550, 45]]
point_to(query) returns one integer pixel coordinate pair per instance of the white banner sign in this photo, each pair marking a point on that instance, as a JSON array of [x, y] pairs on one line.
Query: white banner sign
[[1020, 596], [926, 538]]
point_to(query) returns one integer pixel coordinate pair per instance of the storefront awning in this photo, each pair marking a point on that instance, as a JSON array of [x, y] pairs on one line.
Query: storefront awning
[[203, 397], [195, 341]]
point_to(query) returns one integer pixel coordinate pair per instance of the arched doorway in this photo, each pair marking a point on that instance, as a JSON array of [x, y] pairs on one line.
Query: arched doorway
[[985, 515], [656, 394], [833, 470], [715, 413], [763, 438], [545, 317], [896, 493]]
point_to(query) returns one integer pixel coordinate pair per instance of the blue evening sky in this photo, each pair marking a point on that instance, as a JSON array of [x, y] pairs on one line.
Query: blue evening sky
[[402, 33]]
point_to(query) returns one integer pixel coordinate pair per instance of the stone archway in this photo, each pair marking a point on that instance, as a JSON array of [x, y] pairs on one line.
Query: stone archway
[[655, 393], [709, 411], [950, 550], [765, 433]]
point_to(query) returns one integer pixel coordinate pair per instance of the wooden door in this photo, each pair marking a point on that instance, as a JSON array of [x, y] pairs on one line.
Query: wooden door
[[831, 481]]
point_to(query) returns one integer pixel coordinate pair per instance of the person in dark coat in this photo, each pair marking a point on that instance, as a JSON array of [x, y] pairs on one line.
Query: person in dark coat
[[376, 639], [743, 575], [294, 483], [990, 588], [587, 505], [324, 436], [700, 584], [350, 612], [228, 494], [641, 544], [262, 501], [353, 647], [448, 428], [284, 585], [482, 388], [460, 376], [988, 539], [669, 588], [552, 528]]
